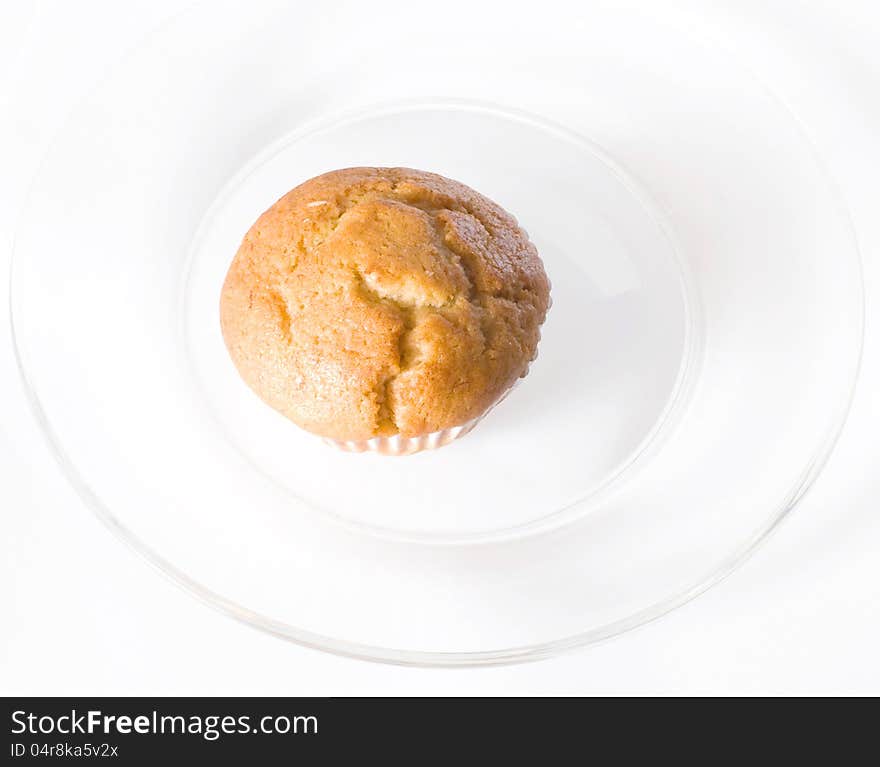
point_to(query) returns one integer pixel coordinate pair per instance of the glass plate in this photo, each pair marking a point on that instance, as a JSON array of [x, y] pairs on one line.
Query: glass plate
[[694, 371]]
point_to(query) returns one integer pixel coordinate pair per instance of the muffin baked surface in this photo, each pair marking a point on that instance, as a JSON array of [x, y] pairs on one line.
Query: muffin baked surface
[[378, 301]]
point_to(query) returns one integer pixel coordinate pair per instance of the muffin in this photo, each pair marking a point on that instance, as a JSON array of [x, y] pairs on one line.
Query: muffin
[[384, 308]]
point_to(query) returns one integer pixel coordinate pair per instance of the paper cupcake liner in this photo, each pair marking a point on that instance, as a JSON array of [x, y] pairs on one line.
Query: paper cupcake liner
[[400, 445]]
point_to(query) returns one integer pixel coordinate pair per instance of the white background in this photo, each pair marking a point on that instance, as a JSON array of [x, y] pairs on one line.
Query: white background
[[79, 614]]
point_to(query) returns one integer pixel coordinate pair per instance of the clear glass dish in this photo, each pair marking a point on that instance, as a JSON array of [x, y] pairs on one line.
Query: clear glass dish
[[694, 371]]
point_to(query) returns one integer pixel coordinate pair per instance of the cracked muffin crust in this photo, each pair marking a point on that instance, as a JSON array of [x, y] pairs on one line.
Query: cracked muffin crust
[[370, 302]]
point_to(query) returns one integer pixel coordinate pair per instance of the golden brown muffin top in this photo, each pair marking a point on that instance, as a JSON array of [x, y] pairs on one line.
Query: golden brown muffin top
[[376, 301]]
